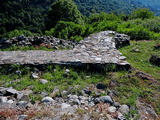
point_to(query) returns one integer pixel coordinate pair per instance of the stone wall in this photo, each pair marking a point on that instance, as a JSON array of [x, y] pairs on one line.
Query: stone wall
[[98, 50]]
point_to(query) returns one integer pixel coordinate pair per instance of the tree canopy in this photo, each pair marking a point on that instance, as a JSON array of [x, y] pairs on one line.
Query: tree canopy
[[63, 10]]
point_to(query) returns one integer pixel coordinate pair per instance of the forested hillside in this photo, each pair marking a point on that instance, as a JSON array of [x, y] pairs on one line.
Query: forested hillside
[[114, 44], [154, 5], [31, 14], [109, 6]]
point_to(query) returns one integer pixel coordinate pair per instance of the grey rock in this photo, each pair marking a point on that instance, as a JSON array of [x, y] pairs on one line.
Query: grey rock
[[74, 99], [106, 99], [3, 99], [43, 81], [12, 91], [44, 94], [22, 104], [120, 116], [112, 109], [135, 50], [35, 75], [65, 106], [117, 104], [67, 71], [22, 117], [10, 101], [124, 109], [47, 100]]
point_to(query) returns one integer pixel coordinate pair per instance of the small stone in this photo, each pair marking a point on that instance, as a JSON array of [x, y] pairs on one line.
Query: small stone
[[18, 72], [112, 109], [122, 58], [74, 99], [44, 94], [67, 71], [10, 101], [55, 92], [22, 117], [106, 99], [73, 96], [47, 100], [136, 50], [22, 104], [3, 99], [35, 75], [65, 106], [117, 104], [43, 81], [12, 91], [124, 109], [120, 116]]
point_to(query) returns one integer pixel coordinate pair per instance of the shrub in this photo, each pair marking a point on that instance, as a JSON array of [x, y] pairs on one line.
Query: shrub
[[107, 25], [16, 33], [141, 13], [102, 17], [152, 24], [137, 32], [70, 31]]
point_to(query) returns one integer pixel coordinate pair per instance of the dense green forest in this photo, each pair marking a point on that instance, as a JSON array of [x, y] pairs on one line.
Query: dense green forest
[[154, 5], [63, 19]]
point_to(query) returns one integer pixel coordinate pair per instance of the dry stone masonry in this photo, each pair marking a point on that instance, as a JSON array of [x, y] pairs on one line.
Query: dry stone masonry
[[98, 49]]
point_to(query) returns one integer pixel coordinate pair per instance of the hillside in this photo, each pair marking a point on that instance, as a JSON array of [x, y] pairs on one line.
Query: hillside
[[58, 62], [154, 5], [109, 6]]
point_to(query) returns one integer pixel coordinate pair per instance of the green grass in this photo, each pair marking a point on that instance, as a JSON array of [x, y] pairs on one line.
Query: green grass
[[130, 88], [140, 60], [56, 76]]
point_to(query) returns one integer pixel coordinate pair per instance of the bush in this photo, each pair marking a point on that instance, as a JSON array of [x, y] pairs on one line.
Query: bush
[[137, 32], [102, 17], [68, 31], [107, 25], [152, 24], [16, 33], [142, 14]]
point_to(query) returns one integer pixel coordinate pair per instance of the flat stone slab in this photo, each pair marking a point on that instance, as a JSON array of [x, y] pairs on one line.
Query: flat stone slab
[[99, 48]]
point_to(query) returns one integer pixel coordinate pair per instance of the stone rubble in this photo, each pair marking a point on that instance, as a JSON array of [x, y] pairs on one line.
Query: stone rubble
[[83, 106], [45, 41]]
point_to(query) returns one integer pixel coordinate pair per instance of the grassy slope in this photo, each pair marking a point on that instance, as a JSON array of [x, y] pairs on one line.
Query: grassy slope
[[147, 90], [140, 60]]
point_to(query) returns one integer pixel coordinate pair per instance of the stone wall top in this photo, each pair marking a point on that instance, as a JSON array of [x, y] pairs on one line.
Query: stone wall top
[[99, 48]]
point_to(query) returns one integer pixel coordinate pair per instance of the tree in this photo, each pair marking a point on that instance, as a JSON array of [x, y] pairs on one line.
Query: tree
[[63, 10], [142, 14]]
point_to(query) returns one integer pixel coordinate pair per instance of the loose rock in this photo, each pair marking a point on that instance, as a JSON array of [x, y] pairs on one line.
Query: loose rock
[[106, 99], [124, 109], [47, 100]]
